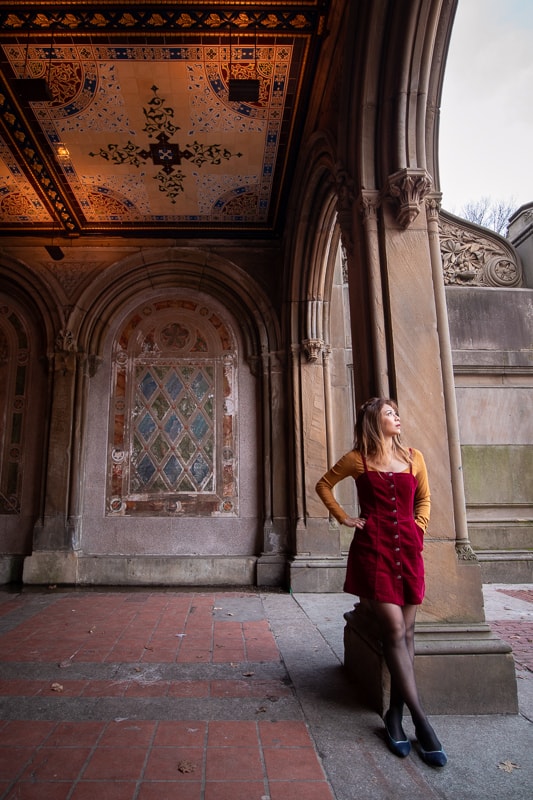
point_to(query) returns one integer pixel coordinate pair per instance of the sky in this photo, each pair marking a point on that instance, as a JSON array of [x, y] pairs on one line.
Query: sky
[[486, 118]]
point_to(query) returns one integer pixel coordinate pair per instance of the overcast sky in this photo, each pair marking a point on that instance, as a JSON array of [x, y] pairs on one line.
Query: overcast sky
[[486, 122]]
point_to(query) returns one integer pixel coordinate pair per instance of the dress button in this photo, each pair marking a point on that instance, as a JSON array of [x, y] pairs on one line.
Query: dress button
[[395, 535], [390, 474], [399, 577], [394, 511], [397, 549]]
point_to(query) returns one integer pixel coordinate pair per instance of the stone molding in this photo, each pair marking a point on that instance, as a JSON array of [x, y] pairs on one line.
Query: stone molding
[[473, 256], [345, 186]]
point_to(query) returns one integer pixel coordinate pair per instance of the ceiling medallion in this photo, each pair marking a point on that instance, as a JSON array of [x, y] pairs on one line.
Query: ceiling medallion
[[164, 153]]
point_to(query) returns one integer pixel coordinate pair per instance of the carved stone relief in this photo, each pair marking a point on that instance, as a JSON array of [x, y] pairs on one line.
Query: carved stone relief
[[474, 258]]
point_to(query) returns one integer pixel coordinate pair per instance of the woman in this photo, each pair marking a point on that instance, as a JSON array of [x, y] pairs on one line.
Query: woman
[[385, 563]]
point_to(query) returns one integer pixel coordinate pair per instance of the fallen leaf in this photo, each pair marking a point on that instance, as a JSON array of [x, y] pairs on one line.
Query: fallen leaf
[[66, 663], [186, 766], [261, 710], [248, 674], [56, 687], [508, 766]]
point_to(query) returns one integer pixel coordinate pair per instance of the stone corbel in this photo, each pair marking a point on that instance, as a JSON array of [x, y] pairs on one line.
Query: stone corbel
[[409, 187], [369, 202], [312, 349]]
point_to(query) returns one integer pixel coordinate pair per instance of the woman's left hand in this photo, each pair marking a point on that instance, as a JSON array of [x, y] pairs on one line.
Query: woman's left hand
[[355, 522]]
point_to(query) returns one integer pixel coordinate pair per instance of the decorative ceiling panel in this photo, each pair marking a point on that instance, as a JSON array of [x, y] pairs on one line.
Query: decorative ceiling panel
[[116, 117]]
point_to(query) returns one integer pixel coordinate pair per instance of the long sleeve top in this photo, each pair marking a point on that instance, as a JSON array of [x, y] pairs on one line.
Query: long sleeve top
[[351, 465]]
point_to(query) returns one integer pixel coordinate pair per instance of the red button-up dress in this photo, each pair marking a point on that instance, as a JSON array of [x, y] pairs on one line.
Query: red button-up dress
[[385, 558]]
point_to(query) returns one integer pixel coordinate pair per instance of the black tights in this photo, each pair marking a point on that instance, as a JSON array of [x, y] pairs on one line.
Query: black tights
[[397, 626]]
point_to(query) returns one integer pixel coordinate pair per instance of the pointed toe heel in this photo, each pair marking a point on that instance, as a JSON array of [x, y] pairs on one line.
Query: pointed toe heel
[[434, 758], [400, 748]]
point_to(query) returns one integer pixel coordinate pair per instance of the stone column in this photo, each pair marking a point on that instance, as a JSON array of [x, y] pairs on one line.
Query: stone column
[[53, 559], [454, 645], [272, 563]]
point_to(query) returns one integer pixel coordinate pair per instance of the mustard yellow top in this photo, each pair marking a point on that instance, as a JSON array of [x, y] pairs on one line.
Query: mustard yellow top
[[351, 465]]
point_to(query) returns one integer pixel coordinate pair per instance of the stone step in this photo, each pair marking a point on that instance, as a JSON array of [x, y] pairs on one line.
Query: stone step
[[506, 566]]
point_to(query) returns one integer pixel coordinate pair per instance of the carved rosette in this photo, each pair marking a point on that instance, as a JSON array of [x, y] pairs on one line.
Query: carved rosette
[[409, 187], [474, 257]]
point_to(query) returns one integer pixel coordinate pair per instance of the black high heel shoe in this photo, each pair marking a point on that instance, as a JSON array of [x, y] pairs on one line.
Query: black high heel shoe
[[434, 758], [400, 748]]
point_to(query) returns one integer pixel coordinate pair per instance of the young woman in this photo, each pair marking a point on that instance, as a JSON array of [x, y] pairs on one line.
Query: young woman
[[385, 565]]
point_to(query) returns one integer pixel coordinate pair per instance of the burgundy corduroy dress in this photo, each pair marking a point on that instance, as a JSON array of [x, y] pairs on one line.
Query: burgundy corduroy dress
[[385, 558]]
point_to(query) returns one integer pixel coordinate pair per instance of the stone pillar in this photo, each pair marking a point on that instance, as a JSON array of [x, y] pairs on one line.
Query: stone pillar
[[272, 563], [55, 539], [317, 565], [454, 645]]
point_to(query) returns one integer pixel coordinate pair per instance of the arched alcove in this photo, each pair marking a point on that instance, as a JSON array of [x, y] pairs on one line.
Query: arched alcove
[[178, 422], [23, 408]]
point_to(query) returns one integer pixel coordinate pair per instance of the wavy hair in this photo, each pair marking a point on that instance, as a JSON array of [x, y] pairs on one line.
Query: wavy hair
[[369, 439]]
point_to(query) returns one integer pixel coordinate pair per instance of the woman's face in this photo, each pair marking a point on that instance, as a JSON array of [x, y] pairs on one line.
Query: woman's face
[[390, 421]]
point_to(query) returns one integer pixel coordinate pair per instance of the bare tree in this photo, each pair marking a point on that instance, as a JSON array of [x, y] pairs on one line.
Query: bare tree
[[490, 213]]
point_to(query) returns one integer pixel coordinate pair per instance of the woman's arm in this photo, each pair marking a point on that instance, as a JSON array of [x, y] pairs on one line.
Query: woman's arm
[[422, 494], [350, 465]]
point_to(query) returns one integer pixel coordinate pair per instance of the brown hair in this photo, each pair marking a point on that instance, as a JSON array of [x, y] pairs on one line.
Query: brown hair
[[369, 439]]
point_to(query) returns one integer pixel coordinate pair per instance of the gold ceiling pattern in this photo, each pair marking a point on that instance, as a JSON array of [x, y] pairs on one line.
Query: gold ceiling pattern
[[119, 117]]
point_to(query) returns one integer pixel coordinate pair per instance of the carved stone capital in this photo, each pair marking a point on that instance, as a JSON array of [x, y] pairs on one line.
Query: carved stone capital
[[409, 187], [369, 202], [433, 203], [312, 348], [65, 341], [464, 552]]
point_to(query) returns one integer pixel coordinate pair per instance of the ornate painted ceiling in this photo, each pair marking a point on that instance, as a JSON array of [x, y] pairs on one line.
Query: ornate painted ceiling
[[116, 117]]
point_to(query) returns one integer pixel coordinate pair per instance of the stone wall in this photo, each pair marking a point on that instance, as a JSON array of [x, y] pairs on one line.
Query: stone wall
[[492, 344]]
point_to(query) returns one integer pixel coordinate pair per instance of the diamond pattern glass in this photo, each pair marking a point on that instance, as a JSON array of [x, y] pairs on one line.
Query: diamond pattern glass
[[173, 433]]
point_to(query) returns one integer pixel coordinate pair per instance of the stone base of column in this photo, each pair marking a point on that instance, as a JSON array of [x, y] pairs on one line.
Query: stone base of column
[[324, 574], [272, 570], [51, 567], [11, 569], [460, 669]]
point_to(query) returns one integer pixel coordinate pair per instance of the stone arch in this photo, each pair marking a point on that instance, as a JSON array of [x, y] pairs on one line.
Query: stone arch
[[243, 525], [25, 333], [192, 268]]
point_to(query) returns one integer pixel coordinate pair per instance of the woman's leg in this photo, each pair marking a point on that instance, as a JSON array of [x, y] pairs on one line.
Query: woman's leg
[[396, 703], [397, 633]]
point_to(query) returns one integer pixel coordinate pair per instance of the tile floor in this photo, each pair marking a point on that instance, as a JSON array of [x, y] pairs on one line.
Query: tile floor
[[68, 659]]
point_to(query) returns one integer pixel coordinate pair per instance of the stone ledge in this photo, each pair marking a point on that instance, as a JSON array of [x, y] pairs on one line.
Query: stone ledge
[[319, 575], [140, 570]]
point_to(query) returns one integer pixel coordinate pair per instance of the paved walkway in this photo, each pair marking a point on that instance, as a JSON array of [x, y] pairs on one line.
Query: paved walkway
[[226, 695]]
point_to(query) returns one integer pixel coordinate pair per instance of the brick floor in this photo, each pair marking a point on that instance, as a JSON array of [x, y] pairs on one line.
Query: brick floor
[[69, 661], [517, 633]]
